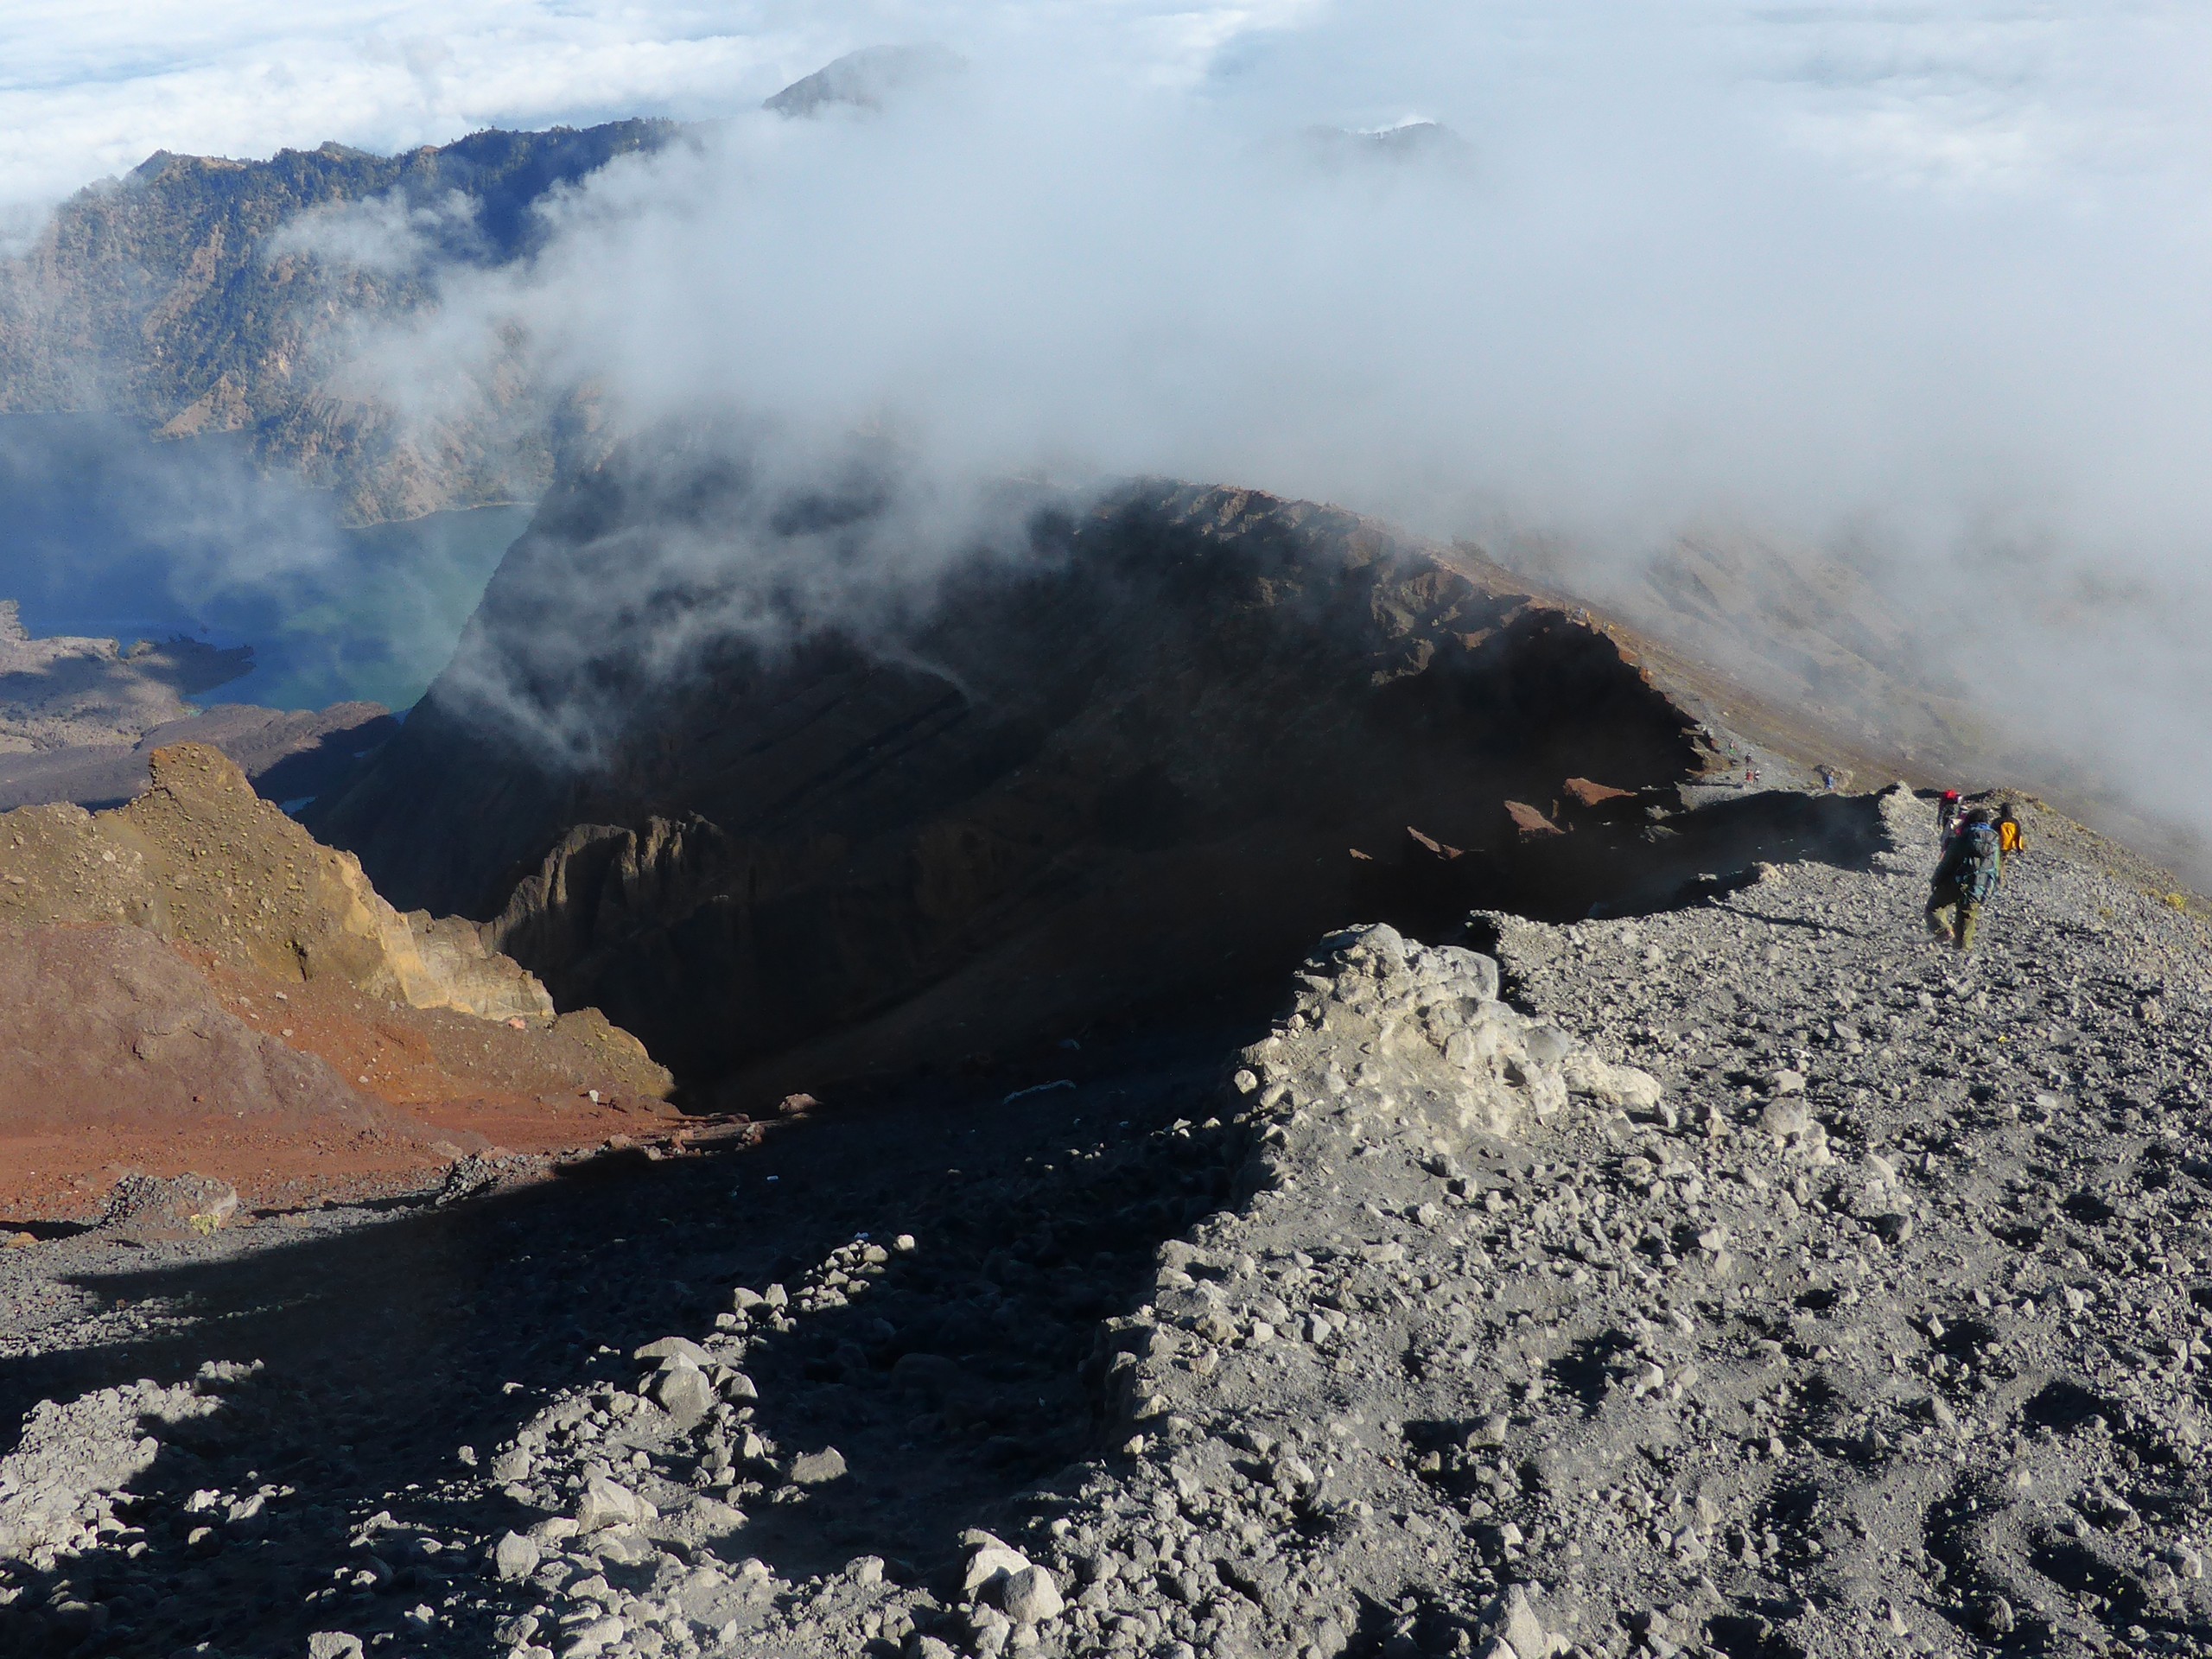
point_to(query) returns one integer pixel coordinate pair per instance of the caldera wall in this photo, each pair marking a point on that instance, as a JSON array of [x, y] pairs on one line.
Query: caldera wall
[[1146, 760]]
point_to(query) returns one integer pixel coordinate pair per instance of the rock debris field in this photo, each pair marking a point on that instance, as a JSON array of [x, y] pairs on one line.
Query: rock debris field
[[1752, 1278]]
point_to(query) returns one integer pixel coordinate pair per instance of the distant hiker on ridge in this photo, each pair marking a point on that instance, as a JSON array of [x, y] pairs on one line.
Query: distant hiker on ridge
[[1946, 815], [2011, 839], [1964, 880]]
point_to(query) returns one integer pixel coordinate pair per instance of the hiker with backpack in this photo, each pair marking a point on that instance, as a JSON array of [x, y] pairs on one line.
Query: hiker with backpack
[[1964, 880], [1947, 816]]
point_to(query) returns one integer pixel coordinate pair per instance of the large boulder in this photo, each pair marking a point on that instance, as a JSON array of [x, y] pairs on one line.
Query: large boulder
[[1436, 1045]]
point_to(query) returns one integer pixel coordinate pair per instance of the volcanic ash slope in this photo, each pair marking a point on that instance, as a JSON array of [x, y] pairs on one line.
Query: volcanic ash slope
[[1858, 1314], [1759, 1280], [1878, 1329]]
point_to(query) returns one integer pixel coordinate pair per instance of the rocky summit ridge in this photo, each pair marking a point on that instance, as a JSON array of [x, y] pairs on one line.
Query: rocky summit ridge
[[191, 981], [1751, 1278], [1140, 758]]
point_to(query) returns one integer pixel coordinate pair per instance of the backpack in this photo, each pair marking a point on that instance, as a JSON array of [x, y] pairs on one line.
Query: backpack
[[1978, 862]]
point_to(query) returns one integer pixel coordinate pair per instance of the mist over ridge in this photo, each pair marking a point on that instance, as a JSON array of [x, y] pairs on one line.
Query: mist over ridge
[[1902, 300], [1649, 297]]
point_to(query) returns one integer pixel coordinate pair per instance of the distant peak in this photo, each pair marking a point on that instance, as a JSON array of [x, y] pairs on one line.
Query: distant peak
[[164, 162], [866, 78], [1407, 140]]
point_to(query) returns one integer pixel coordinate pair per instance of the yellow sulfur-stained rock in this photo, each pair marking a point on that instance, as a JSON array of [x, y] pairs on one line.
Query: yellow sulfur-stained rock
[[201, 860]]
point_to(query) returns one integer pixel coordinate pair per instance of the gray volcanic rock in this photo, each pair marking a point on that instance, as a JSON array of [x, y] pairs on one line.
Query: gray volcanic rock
[[1755, 1278], [59, 1485], [147, 1207], [1517, 1347], [1918, 1361], [64, 691], [286, 756]]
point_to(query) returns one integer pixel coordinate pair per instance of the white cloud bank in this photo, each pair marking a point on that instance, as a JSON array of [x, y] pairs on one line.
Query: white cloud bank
[[1974, 94], [1926, 279], [92, 88]]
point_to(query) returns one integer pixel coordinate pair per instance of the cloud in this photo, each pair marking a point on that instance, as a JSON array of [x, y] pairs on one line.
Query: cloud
[[92, 89], [1916, 286], [1913, 290], [388, 235], [1662, 280]]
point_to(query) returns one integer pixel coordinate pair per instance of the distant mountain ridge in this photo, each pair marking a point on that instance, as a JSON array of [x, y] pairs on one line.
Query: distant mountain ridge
[[203, 296], [185, 296]]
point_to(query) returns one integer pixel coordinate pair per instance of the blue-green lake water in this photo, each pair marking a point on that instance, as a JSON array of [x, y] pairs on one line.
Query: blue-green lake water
[[103, 531]]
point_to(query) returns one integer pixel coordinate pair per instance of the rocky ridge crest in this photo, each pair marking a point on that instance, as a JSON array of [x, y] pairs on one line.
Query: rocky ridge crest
[[1152, 755], [1754, 1279], [202, 859]]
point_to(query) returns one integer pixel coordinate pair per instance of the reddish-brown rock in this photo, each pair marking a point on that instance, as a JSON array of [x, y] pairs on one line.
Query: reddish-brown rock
[[193, 983], [1529, 822], [1583, 792]]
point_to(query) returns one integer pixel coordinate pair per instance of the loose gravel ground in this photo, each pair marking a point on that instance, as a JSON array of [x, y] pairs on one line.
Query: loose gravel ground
[[1754, 1279], [363, 1352]]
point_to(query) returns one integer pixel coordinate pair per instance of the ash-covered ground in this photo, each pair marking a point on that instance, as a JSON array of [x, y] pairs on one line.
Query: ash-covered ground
[[1753, 1279]]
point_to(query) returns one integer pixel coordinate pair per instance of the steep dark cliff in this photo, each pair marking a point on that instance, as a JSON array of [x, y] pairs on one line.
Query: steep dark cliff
[[170, 297], [1146, 760]]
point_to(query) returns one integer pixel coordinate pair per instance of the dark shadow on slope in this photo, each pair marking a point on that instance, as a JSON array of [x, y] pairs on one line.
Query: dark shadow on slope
[[1755, 1634], [1799, 924], [2066, 1406], [1703, 854], [1658, 860], [1589, 1370], [1130, 756], [389, 1347]]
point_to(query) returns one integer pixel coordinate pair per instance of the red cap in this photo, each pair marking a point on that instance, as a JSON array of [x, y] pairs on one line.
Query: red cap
[[1950, 794]]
